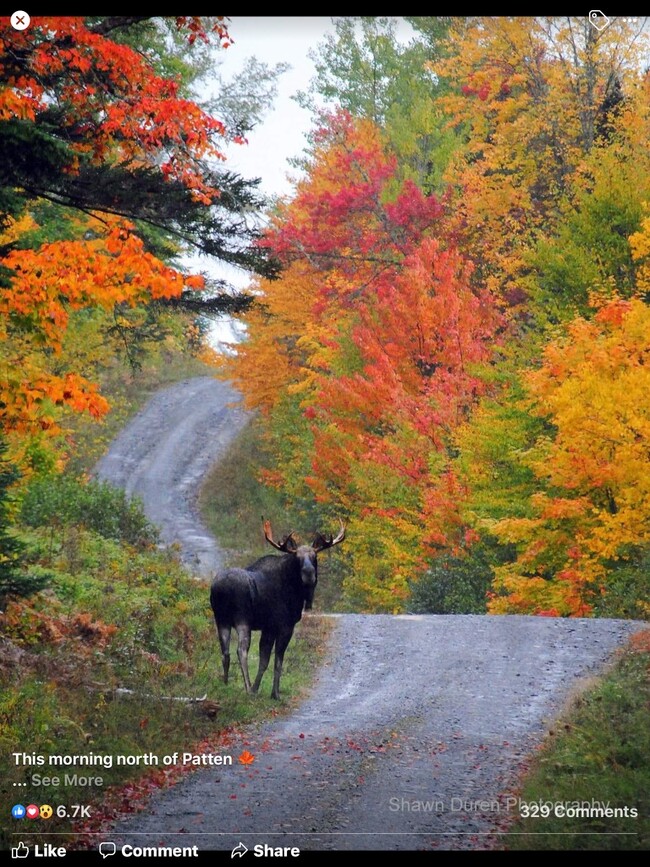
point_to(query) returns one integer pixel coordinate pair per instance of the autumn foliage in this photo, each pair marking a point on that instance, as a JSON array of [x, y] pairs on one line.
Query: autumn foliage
[[375, 330], [469, 368], [448, 348], [83, 117], [594, 506], [110, 105], [541, 99]]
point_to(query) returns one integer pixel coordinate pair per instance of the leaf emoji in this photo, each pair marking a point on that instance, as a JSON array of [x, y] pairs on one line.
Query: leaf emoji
[[246, 758]]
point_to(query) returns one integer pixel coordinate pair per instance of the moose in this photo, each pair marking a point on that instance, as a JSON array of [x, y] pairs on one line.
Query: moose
[[270, 596]]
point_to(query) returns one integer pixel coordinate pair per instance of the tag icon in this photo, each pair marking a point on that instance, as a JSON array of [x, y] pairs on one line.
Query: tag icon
[[598, 19]]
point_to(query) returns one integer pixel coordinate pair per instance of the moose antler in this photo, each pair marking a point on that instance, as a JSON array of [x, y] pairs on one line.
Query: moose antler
[[288, 544], [321, 542]]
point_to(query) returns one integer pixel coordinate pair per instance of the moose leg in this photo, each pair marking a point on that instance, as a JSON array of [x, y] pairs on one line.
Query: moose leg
[[243, 643], [266, 646], [224, 641], [281, 645]]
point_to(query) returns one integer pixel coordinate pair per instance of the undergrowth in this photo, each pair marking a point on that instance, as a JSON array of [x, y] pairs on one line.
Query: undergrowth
[[596, 759], [95, 663]]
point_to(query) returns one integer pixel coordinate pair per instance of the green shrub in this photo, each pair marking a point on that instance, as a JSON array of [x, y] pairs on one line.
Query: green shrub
[[15, 580], [24, 583], [61, 501], [453, 585], [627, 592]]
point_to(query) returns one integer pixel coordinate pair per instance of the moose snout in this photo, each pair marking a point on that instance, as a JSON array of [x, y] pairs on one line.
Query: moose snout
[[309, 585]]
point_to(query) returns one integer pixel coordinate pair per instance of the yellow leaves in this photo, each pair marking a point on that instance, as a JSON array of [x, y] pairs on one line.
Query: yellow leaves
[[385, 557], [528, 92], [519, 593], [16, 228], [32, 402], [593, 387], [640, 246], [285, 345]]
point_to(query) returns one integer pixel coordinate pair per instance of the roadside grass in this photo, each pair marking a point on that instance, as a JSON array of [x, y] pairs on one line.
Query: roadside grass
[[120, 617], [233, 501], [600, 751]]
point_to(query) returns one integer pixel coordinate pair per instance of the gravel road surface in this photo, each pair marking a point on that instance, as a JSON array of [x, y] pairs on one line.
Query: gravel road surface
[[164, 453], [413, 738], [418, 727]]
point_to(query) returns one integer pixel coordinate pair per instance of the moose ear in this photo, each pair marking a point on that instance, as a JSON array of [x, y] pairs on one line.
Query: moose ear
[[320, 542], [290, 545]]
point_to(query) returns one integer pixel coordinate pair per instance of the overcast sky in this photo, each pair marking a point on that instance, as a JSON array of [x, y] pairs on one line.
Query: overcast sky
[[281, 135]]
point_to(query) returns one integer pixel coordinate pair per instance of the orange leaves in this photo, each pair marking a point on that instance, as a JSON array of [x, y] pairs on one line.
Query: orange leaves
[[69, 275], [48, 284], [375, 337], [27, 625], [559, 508], [14, 105], [278, 353], [419, 341], [75, 391], [247, 758], [195, 281], [93, 114], [27, 404], [613, 313]]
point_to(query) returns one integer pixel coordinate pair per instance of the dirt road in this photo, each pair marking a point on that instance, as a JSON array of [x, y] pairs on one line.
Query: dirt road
[[413, 738], [165, 451], [417, 728]]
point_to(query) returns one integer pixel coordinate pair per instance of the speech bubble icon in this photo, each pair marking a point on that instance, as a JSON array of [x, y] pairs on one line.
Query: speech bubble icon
[[107, 849]]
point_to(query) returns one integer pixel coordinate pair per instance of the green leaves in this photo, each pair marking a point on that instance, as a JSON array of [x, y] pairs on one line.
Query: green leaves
[[64, 501]]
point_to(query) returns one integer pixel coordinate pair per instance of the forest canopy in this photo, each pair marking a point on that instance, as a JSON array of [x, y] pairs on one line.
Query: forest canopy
[[459, 338]]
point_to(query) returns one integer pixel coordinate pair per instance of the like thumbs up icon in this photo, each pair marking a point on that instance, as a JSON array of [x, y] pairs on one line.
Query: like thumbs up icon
[[20, 851]]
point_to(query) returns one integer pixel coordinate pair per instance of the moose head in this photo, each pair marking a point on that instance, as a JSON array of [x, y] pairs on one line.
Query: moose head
[[306, 555]]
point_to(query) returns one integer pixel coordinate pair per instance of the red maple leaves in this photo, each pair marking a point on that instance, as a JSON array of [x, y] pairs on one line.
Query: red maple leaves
[[109, 102]]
